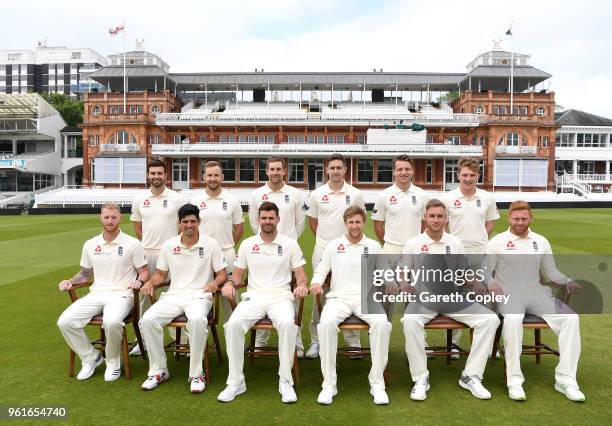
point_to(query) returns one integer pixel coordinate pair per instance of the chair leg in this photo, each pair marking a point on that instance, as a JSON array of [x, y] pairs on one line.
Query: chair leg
[[295, 370], [215, 335], [538, 343], [143, 351], [71, 366], [449, 345], [103, 340], [252, 345], [177, 354], [126, 355]]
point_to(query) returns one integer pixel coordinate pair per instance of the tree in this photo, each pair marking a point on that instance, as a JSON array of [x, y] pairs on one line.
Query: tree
[[71, 110], [449, 97]]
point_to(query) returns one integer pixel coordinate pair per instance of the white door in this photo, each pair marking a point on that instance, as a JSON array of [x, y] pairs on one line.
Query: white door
[[180, 173]]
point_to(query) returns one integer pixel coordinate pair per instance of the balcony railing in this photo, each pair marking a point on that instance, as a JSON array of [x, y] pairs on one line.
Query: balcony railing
[[138, 118], [516, 150], [111, 147], [588, 177], [303, 118]]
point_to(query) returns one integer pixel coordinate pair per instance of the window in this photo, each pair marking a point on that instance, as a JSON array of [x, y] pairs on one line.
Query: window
[[429, 171], [540, 112], [291, 139], [478, 110], [262, 164], [222, 138], [340, 139], [201, 138], [177, 139], [361, 139], [296, 170], [452, 140], [261, 138], [231, 138], [229, 169], [311, 139], [429, 139], [270, 138], [301, 139], [512, 139], [114, 109], [94, 140], [543, 141], [590, 140], [251, 138], [320, 139], [247, 170], [524, 110], [242, 138], [154, 139], [122, 137], [384, 174], [155, 109], [330, 139], [565, 140], [365, 171], [135, 109], [96, 110]]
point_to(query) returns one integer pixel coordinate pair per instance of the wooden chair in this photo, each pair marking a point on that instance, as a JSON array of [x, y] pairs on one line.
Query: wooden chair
[[100, 343], [537, 324], [265, 323], [178, 349], [442, 322], [351, 323]]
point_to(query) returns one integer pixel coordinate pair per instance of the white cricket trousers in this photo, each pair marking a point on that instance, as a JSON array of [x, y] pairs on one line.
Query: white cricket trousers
[[230, 256], [561, 320], [337, 310], [351, 337], [195, 306], [281, 311], [114, 306], [482, 320]]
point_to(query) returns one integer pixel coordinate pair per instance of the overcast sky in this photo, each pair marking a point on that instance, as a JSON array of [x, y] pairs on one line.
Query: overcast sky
[[571, 40]]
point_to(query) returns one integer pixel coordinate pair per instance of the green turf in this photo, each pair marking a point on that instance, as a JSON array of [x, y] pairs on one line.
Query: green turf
[[38, 251]]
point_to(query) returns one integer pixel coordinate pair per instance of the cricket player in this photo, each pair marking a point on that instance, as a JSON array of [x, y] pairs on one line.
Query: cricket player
[[154, 219], [117, 264], [342, 257], [472, 213], [434, 241], [290, 203], [325, 207], [519, 257], [198, 269], [399, 209], [270, 257], [220, 216]]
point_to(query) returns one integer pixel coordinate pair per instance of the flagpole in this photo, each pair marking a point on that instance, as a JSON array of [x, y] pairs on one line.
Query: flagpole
[[509, 33], [124, 74]]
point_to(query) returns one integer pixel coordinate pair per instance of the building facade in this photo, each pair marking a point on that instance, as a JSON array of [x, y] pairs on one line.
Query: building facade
[[47, 70], [242, 118]]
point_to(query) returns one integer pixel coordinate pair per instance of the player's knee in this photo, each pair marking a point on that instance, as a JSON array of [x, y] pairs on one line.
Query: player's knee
[[63, 322], [410, 321], [112, 323], [380, 324], [197, 323], [514, 319]]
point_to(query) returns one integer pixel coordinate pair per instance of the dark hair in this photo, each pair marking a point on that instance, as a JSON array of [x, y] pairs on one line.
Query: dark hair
[[335, 156], [156, 162], [188, 210], [402, 157], [267, 206]]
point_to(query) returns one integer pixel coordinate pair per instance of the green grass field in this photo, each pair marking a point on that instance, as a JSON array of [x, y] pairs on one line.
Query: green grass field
[[38, 251]]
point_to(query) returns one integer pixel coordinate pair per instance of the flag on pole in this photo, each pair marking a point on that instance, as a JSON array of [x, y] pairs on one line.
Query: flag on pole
[[509, 32], [114, 31]]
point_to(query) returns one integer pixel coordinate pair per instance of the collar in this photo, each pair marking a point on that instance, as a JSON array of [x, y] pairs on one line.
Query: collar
[[397, 189], [163, 194], [514, 237], [277, 240], [361, 242], [221, 195], [428, 240], [199, 243], [459, 194], [118, 239], [340, 191], [269, 190]]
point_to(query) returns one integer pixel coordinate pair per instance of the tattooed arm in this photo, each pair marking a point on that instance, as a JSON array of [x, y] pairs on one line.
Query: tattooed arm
[[82, 277]]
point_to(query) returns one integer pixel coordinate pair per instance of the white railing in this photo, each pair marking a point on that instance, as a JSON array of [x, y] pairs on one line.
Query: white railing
[[112, 147], [314, 149], [569, 181], [520, 150], [593, 177], [362, 117]]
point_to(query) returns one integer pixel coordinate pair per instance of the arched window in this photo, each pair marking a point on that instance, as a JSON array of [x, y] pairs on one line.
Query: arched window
[[540, 112], [155, 109], [512, 139], [96, 110], [122, 137]]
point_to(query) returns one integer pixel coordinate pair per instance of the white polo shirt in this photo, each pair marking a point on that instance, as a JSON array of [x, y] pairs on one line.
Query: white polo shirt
[[290, 203], [522, 272], [402, 212], [159, 216], [343, 259], [218, 215], [114, 263], [269, 264], [424, 244], [328, 207], [467, 217], [191, 268]]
